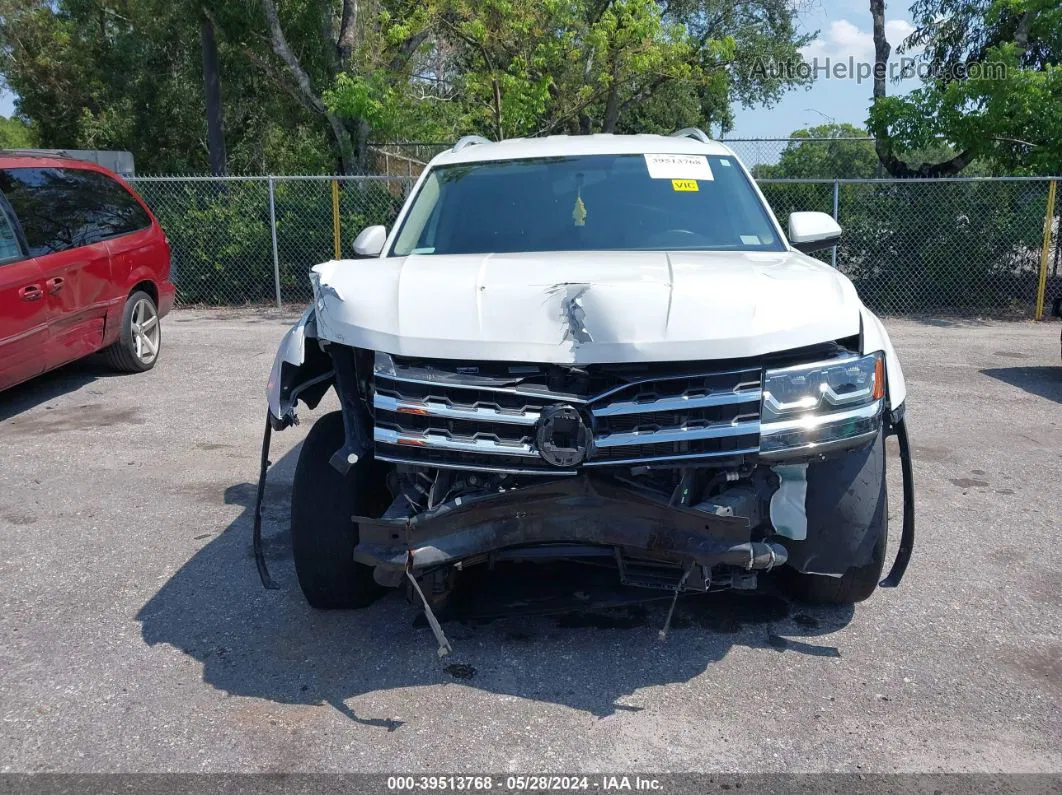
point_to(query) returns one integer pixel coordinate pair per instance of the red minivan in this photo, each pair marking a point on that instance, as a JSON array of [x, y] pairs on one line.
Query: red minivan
[[84, 267]]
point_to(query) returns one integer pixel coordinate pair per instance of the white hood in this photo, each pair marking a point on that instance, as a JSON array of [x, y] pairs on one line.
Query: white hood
[[584, 307]]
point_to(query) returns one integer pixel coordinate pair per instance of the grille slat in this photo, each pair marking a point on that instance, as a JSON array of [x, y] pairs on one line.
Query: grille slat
[[653, 414]]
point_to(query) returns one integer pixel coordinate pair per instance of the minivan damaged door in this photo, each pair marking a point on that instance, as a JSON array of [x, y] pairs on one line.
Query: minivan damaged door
[[64, 224], [23, 310]]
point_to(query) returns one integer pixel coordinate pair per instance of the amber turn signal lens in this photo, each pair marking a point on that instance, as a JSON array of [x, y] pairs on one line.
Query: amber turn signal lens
[[879, 379]]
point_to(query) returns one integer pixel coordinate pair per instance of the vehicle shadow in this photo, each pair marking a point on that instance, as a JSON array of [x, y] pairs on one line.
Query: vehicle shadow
[[1044, 381], [53, 384], [271, 645]]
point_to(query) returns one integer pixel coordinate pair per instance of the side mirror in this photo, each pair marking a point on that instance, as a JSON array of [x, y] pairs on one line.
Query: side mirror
[[813, 231], [370, 242]]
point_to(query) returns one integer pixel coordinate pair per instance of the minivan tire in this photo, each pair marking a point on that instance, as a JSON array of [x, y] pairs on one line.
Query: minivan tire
[[123, 354], [323, 534]]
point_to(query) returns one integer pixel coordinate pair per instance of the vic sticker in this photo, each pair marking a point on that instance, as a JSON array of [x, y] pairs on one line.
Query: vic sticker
[[685, 184], [678, 167]]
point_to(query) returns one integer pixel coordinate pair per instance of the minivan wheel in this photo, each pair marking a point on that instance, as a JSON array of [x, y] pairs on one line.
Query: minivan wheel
[[138, 344], [846, 497], [323, 535]]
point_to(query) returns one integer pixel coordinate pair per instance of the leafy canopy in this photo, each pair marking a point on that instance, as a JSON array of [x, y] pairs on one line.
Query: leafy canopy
[[306, 85], [995, 85]]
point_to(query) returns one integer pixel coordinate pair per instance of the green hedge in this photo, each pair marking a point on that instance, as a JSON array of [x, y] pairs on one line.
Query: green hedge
[[219, 232], [967, 247]]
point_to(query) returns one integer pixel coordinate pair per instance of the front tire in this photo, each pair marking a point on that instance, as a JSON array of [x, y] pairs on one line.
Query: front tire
[[845, 497], [856, 585], [323, 535]]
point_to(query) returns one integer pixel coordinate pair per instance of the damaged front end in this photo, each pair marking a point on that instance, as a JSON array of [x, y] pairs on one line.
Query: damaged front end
[[684, 475]]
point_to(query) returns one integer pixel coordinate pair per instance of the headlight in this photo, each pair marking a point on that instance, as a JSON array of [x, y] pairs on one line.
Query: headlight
[[822, 405]]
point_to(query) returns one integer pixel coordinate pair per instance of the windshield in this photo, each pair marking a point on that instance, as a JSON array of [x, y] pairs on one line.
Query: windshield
[[596, 202]]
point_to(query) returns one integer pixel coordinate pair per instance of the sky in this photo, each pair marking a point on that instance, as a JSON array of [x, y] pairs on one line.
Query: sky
[[844, 33], [844, 28]]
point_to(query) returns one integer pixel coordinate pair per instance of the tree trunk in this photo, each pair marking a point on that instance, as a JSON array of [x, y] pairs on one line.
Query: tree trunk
[[612, 106], [882, 49], [497, 110], [348, 32], [347, 155], [882, 142], [212, 92], [305, 86]]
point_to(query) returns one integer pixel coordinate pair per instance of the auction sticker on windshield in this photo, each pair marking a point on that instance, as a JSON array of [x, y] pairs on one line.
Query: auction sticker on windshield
[[678, 167]]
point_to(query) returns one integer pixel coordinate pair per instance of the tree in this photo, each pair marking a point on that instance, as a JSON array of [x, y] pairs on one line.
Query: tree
[[191, 85], [128, 74], [824, 151], [582, 66], [15, 134], [763, 32], [354, 56], [993, 86]]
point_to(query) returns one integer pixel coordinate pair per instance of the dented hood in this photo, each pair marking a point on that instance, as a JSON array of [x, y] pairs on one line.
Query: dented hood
[[584, 307]]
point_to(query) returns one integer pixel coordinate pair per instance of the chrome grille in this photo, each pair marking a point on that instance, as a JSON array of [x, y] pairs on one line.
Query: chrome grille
[[445, 414]]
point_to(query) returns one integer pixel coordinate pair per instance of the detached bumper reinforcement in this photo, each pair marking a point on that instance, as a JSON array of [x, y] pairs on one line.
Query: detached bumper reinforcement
[[579, 510]]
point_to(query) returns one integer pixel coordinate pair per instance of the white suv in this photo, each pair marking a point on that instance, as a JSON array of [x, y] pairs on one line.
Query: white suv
[[592, 347]]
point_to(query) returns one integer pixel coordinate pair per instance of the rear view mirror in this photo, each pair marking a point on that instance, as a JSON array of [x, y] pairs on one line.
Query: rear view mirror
[[813, 231], [370, 242]]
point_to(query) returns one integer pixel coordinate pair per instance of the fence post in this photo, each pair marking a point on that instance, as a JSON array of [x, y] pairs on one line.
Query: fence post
[[833, 251], [335, 217], [1049, 220], [273, 231]]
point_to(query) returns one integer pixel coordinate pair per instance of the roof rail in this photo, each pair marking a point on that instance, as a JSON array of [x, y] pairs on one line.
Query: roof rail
[[36, 153], [469, 140], [693, 132]]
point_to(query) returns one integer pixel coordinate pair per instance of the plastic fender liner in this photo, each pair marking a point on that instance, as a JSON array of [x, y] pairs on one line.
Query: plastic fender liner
[[839, 525], [907, 534], [256, 527]]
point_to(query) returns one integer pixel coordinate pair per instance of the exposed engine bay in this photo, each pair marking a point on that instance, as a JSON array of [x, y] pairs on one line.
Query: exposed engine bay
[[686, 476]]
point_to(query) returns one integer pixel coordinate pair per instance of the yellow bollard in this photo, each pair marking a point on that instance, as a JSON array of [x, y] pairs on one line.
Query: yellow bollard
[[335, 216], [1049, 218]]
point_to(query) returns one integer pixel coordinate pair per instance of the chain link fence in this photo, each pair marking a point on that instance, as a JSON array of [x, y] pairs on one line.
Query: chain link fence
[[970, 246], [253, 240], [818, 158]]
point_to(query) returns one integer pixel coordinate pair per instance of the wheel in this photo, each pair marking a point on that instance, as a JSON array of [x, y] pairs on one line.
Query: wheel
[[323, 536], [856, 585], [847, 502], [137, 347]]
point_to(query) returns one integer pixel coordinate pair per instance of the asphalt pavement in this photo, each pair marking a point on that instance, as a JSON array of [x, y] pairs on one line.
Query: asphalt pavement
[[135, 636]]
